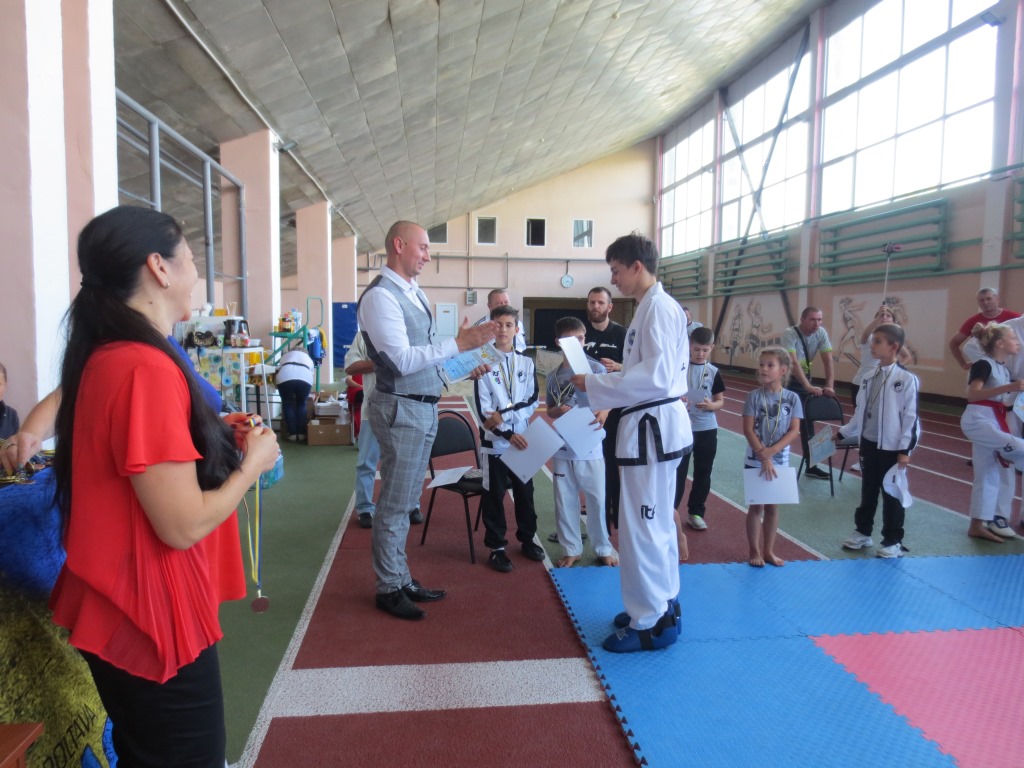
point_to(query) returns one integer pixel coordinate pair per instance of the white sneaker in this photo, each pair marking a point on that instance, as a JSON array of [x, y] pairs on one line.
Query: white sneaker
[[893, 550], [1000, 527], [858, 541], [855, 466], [697, 522]]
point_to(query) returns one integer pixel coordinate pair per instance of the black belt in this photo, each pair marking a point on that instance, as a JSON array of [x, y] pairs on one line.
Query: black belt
[[419, 398], [645, 406]]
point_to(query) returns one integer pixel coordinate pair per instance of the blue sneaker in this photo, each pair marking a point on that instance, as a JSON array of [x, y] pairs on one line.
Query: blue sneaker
[[622, 619], [629, 640]]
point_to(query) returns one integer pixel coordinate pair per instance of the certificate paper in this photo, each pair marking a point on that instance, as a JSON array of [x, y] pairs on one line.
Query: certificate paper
[[822, 445], [448, 476], [541, 441], [781, 490], [576, 428], [574, 355], [459, 368]]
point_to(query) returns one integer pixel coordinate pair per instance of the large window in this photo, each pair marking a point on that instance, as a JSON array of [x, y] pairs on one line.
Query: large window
[[909, 101], [687, 196], [486, 230]]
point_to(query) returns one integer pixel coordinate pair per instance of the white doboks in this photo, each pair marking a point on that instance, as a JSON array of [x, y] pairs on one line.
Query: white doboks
[[895, 484]]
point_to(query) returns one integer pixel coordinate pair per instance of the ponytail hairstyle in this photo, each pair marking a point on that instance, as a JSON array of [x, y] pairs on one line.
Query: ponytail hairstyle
[[989, 334], [785, 361], [112, 252]]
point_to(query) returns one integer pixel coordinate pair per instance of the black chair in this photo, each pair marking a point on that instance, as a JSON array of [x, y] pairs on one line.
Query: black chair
[[845, 445], [455, 435], [818, 408]]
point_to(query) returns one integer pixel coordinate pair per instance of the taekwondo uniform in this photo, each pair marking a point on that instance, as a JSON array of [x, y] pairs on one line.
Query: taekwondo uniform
[[653, 435], [995, 445], [510, 388]]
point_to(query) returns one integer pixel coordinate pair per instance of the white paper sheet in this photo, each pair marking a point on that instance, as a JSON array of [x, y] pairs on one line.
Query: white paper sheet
[[782, 490], [575, 355], [579, 433], [541, 441], [448, 476], [822, 445]]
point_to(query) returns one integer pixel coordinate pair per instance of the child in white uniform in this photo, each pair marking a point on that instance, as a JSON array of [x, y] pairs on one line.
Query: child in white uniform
[[506, 398], [994, 447], [653, 434], [771, 421], [571, 472], [886, 422]]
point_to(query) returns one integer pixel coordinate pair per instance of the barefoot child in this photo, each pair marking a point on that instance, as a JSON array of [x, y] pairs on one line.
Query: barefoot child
[[994, 449], [885, 419], [572, 473], [771, 421]]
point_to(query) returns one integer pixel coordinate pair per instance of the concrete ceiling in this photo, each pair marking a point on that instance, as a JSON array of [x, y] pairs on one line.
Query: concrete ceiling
[[426, 109]]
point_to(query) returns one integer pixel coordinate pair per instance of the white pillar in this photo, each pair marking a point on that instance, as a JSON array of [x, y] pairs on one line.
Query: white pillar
[[254, 161], [33, 198], [313, 258]]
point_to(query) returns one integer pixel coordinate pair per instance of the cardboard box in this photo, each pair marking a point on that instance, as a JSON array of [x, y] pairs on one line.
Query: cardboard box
[[329, 433]]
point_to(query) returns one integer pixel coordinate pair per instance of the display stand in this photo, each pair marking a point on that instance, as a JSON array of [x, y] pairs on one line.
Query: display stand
[[244, 383]]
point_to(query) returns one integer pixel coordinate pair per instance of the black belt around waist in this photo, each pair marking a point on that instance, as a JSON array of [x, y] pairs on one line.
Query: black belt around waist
[[645, 406], [419, 398]]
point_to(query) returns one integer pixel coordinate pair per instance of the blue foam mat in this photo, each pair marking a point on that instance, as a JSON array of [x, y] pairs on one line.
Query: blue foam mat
[[746, 685]]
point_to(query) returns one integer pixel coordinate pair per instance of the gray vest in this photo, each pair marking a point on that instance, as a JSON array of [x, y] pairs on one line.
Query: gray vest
[[419, 328]]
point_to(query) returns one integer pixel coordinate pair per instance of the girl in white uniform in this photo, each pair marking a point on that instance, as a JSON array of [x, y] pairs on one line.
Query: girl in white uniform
[[995, 449], [654, 432]]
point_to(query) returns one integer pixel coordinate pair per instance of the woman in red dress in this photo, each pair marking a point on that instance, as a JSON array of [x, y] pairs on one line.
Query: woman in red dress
[[148, 478]]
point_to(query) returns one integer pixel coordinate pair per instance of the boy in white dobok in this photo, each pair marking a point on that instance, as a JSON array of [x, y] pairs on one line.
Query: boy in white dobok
[[653, 434], [571, 472]]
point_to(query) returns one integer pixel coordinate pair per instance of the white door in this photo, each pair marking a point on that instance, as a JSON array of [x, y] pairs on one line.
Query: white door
[[447, 318]]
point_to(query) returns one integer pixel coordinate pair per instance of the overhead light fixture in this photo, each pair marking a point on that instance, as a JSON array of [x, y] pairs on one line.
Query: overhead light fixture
[[286, 146]]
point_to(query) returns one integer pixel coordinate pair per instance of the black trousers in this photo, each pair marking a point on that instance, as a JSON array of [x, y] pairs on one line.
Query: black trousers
[[874, 463], [501, 479], [178, 723], [705, 447], [611, 469]]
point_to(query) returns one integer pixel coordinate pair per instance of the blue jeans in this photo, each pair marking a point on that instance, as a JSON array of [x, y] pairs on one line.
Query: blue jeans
[[366, 469], [293, 403]]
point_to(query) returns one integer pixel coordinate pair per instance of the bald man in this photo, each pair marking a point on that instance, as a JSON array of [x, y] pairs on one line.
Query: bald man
[[399, 332]]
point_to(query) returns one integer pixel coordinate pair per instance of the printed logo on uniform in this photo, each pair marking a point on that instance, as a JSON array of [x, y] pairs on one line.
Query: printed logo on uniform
[[786, 409], [521, 375], [1008, 448], [630, 338], [897, 386], [647, 513]]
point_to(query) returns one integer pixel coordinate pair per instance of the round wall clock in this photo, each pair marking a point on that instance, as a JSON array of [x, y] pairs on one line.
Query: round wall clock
[[567, 280]]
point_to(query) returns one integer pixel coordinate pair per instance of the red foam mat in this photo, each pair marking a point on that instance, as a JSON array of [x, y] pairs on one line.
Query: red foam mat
[[962, 688], [461, 738]]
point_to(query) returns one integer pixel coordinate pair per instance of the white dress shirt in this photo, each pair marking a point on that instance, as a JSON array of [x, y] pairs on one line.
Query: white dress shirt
[[380, 316]]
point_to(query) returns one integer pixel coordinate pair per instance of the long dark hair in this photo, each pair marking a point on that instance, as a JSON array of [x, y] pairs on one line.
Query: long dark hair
[[112, 251]]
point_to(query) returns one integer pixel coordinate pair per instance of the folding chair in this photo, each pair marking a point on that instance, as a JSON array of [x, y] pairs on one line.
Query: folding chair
[[454, 436], [817, 409], [845, 445]]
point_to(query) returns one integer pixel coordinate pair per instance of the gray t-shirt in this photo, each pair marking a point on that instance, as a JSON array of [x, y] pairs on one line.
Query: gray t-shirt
[[702, 381], [815, 343], [773, 413]]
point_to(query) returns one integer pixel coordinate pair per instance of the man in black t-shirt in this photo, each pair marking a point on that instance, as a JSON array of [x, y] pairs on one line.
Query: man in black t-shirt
[[606, 339], [606, 342]]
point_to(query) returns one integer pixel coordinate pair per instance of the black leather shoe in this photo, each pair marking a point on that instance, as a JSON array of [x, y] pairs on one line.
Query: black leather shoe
[[365, 520], [817, 473], [499, 561], [416, 517], [399, 605], [420, 594], [533, 551]]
